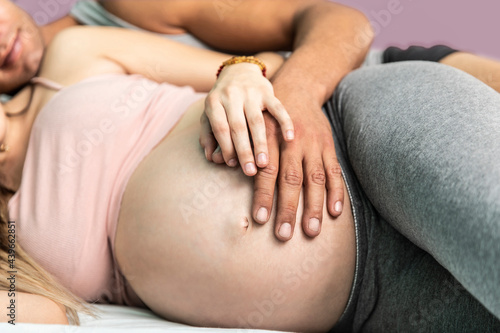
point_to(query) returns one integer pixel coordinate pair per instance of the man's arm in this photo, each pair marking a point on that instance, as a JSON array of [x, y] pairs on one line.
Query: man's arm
[[245, 26], [332, 40], [328, 40]]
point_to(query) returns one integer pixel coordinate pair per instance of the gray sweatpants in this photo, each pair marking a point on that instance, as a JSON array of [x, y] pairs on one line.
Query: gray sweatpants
[[419, 144]]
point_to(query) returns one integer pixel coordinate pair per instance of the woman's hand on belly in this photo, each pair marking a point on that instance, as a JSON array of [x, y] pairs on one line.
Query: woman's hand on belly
[[239, 97], [191, 251]]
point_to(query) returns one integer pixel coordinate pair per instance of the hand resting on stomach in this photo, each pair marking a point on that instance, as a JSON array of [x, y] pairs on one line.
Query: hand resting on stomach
[[188, 246]]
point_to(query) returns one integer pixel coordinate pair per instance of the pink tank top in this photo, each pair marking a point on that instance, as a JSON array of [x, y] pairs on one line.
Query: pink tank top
[[84, 146]]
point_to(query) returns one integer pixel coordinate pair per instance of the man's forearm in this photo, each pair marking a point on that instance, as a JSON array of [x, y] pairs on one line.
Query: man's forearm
[[330, 41]]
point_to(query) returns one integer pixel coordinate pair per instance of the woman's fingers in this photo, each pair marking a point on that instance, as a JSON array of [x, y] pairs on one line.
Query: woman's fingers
[[208, 142], [229, 122], [220, 128], [207, 139], [257, 126], [279, 112], [217, 156], [253, 112], [235, 109], [239, 135]]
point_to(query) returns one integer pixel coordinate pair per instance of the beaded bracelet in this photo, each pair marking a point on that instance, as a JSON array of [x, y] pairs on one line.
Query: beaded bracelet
[[238, 60]]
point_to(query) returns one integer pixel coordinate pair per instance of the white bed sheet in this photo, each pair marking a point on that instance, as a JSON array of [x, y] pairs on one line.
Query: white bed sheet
[[116, 319]]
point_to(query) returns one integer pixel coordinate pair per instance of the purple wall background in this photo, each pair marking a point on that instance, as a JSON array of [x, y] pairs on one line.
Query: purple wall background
[[467, 25]]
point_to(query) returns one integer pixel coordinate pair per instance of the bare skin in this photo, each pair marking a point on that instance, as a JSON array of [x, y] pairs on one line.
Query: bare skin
[[298, 162], [40, 99], [316, 17], [317, 30], [32, 309], [21, 47], [227, 271], [319, 272], [484, 69]]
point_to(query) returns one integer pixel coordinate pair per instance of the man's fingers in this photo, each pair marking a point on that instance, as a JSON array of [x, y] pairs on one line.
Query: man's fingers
[[289, 187], [314, 196], [334, 183], [265, 180]]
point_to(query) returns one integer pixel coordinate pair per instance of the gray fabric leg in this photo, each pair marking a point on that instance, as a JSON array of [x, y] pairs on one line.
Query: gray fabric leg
[[405, 290], [424, 141]]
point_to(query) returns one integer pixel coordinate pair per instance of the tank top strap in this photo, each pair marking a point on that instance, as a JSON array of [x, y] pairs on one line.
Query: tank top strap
[[47, 83]]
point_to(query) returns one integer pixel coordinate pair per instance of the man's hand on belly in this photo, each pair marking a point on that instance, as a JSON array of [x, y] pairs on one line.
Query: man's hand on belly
[[309, 159]]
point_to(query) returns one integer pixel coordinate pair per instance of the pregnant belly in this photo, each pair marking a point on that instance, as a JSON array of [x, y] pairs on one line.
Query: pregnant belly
[[188, 246]]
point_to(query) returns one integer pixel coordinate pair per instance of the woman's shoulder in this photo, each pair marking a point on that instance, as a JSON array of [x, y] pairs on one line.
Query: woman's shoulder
[[29, 308], [74, 55]]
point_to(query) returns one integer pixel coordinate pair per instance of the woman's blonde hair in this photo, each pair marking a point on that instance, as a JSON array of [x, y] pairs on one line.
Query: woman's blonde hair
[[30, 277]]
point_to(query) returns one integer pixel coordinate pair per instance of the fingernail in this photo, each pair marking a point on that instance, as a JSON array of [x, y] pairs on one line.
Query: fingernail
[[289, 135], [262, 158], [314, 224], [206, 153], [232, 162], [262, 214], [338, 206], [250, 168], [285, 230]]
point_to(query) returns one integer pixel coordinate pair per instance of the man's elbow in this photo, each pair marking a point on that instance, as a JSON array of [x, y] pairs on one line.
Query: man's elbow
[[359, 21], [352, 19], [363, 26], [363, 34], [358, 33]]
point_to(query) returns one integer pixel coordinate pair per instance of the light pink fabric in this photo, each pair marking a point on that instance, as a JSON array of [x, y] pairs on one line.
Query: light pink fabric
[[46, 83], [84, 146]]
